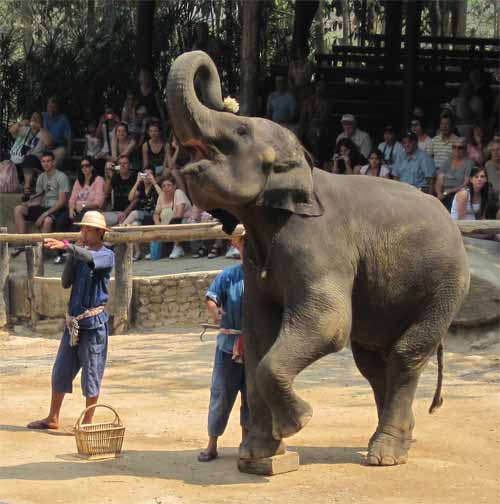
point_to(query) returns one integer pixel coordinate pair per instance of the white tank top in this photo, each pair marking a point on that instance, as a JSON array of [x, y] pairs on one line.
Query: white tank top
[[470, 212]]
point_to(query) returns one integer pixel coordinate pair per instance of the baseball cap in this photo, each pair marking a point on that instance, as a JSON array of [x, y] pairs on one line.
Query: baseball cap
[[348, 118], [389, 128]]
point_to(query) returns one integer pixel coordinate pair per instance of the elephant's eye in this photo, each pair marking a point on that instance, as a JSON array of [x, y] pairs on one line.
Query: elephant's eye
[[242, 130]]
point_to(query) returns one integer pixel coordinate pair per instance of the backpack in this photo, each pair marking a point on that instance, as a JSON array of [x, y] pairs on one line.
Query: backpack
[[9, 183]]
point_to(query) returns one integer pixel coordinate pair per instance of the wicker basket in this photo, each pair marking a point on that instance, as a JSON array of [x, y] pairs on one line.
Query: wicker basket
[[99, 440]]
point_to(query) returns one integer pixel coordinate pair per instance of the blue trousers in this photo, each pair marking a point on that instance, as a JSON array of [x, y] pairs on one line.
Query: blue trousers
[[89, 356], [228, 378]]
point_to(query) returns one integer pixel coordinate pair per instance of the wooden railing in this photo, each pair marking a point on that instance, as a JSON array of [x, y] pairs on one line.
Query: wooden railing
[[123, 239]]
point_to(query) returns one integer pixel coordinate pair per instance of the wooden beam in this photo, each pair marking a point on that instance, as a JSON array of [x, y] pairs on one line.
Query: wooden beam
[[135, 234], [34, 266], [4, 282], [123, 288], [488, 227]]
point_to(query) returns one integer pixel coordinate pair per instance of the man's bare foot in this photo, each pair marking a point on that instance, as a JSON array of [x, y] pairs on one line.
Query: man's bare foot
[[207, 455], [44, 424]]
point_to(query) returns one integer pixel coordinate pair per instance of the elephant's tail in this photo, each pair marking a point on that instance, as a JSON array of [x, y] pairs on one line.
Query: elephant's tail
[[437, 401]]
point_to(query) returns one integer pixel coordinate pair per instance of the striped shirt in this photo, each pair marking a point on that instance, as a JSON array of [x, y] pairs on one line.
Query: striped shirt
[[441, 149]]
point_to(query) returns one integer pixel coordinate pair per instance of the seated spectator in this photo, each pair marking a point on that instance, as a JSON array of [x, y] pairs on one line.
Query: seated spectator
[[123, 144], [493, 172], [205, 42], [476, 147], [376, 166], [282, 106], [419, 114], [31, 140], [153, 150], [351, 131], [417, 167], [314, 123], [481, 90], [87, 194], [454, 174], [347, 159], [424, 141], [467, 109], [442, 143], [129, 114], [174, 160], [48, 208], [392, 150], [118, 186], [470, 202], [137, 128], [145, 192], [173, 207], [59, 130], [93, 143], [149, 96], [106, 133], [300, 72]]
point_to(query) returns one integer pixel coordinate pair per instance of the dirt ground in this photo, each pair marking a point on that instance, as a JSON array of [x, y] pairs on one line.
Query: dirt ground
[[160, 382]]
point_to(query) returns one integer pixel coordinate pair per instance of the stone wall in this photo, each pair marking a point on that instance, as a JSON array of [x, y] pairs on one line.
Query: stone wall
[[173, 299], [156, 301]]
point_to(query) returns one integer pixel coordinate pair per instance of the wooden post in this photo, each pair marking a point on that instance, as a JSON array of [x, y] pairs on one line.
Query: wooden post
[[4, 282], [34, 265], [123, 288]]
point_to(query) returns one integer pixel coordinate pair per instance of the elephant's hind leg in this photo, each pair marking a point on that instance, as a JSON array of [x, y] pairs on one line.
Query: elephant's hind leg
[[405, 362], [301, 342]]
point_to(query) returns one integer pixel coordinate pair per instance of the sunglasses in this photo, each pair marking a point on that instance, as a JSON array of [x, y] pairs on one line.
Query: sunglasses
[[83, 165]]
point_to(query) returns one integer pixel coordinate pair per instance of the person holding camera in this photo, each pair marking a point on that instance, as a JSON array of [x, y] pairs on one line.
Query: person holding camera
[[119, 182], [145, 192], [347, 159]]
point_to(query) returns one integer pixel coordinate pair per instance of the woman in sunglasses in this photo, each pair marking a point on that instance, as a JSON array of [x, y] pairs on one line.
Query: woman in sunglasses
[[87, 194]]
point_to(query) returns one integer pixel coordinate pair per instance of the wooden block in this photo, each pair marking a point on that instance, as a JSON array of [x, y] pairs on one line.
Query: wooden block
[[270, 466]]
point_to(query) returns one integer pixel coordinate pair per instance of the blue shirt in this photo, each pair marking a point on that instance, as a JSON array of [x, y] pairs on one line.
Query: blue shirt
[[226, 292], [58, 128], [415, 169], [393, 154], [90, 286], [281, 107]]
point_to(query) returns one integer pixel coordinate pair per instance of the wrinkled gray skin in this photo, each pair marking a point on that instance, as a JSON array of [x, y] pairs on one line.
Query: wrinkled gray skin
[[383, 266]]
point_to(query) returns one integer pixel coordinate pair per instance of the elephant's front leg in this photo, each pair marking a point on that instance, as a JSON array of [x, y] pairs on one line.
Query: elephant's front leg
[[309, 331], [262, 326]]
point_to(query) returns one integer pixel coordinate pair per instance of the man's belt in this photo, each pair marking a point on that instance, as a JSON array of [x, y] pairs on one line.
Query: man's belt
[[72, 323], [238, 345]]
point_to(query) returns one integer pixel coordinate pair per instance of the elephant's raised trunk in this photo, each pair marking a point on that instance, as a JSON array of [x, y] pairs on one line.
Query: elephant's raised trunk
[[192, 118]]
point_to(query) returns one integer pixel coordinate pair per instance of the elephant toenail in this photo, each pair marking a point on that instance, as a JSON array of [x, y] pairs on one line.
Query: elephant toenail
[[388, 460]]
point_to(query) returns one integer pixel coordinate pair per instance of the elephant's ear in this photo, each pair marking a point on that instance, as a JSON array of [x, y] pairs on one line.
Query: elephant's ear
[[289, 184]]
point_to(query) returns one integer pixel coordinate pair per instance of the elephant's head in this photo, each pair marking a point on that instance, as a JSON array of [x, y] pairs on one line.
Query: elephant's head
[[237, 161]]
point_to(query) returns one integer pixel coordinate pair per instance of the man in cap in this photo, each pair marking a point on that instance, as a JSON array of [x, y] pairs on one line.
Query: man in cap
[[225, 307], [84, 343], [390, 148], [359, 137], [416, 167]]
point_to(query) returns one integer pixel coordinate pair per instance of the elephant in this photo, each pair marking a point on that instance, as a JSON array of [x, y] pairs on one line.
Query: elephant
[[330, 261]]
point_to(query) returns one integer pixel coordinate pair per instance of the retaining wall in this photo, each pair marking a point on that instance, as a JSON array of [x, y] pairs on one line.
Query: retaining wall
[[156, 301]]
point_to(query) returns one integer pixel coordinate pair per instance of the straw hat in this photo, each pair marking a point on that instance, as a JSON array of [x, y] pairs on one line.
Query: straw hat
[[93, 219]]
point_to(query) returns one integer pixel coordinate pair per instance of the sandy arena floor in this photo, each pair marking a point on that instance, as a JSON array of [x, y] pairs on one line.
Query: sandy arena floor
[[160, 385]]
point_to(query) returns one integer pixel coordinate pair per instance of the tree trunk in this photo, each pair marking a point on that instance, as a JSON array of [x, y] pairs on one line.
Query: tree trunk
[[319, 33], [393, 27], [249, 57], [90, 15], [145, 25], [345, 22], [303, 18]]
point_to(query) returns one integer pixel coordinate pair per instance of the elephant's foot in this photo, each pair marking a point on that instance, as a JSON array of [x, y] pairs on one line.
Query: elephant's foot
[[257, 447], [291, 421], [389, 446]]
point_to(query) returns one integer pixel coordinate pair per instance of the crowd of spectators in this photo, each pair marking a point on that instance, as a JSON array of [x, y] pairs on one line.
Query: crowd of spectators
[[130, 169]]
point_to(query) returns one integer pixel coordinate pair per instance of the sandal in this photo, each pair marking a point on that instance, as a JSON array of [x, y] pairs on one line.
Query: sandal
[[201, 252], [215, 251]]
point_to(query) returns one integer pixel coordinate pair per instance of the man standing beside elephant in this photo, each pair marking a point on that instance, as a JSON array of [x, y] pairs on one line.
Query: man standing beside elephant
[[225, 307]]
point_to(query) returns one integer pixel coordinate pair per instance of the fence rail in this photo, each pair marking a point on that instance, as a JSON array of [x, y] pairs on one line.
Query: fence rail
[[124, 238]]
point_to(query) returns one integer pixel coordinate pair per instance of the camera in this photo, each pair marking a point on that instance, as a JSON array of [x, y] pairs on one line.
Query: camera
[[141, 175], [117, 167]]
